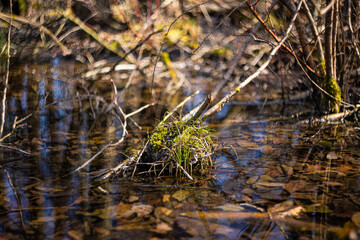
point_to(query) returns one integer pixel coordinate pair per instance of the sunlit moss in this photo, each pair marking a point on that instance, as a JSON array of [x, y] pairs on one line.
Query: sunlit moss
[[321, 67], [188, 144], [22, 6], [157, 139], [184, 32], [332, 87], [222, 52]]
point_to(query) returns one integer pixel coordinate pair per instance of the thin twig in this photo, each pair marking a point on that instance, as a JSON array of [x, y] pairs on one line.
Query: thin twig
[[234, 63], [133, 49], [165, 37], [17, 199], [92, 158], [277, 39], [323, 90], [184, 171], [316, 32], [217, 26], [278, 225], [178, 107], [16, 149], [224, 100], [124, 132], [3, 103]]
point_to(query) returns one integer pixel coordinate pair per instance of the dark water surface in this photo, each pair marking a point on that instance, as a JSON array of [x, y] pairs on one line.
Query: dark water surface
[[273, 178]]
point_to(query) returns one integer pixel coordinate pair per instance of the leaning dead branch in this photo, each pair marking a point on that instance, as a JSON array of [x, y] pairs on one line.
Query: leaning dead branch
[[17, 200], [227, 98], [240, 53], [277, 39]]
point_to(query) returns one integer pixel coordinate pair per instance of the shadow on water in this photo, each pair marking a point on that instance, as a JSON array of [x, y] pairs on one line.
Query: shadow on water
[[273, 178]]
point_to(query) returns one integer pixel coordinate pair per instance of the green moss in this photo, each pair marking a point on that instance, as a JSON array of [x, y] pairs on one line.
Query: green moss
[[321, 67], [22, 6], [188, 144], [331, 86], [224, 52], [157, 139], [184, 32]]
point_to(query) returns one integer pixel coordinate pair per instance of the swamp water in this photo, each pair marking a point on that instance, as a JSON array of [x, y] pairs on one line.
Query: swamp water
[[273, 178]]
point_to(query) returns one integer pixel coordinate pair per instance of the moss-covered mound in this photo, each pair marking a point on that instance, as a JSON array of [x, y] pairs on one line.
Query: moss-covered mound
[[180, 148]]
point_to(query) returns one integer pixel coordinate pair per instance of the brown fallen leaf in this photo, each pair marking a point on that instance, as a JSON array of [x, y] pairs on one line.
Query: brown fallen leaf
[[292, 212], [331, 156], [356, 219], [181, 195], [163, 227], [166, 198], [294, 186], [77, 235], [102, 232]]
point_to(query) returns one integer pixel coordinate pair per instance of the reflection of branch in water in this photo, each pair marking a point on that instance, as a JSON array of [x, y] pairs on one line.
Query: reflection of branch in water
[[17, 123], [124, 127], [17, 199], [16, 149]]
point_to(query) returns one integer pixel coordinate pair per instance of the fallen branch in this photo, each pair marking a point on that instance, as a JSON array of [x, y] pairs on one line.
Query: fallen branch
[[224, 100], [277, 39], [20, 210], [332, 117], [234, 62], [16, 149]]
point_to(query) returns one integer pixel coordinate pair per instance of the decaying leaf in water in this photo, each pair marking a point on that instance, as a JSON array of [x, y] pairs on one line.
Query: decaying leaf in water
[[295, 186], [318, 209], [292, 212], [286, 209], [102, 232], [163, 227], [77, 235], [231, 208], [138, 210], [166, 198], [331, 156], [181, 195], [356, 219], [252, 180]]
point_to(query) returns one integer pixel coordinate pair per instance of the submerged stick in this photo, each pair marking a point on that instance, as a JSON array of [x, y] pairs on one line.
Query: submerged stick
[[124, 132]]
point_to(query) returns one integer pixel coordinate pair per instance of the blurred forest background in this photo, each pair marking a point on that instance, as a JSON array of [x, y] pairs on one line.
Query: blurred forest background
[[227, 40]]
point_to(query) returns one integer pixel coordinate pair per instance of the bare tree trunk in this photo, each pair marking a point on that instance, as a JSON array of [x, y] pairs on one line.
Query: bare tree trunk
[[299, 25], [330, 82]]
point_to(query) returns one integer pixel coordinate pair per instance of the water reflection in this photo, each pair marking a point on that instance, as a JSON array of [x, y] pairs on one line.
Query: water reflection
[[263, 164]]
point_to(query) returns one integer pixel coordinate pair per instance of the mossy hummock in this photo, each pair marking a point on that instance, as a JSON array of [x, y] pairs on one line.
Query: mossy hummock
[[180, 144]]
